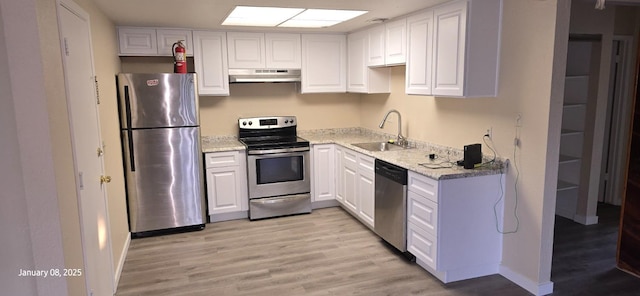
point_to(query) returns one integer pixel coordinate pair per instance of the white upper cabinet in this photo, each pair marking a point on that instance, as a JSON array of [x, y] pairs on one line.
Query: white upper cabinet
[[419, 53], [396, 42], [388, 44], [376, 46], [263, 50], [283, 51], [210, 60], [324, 63], [167, 37], [362, 79], [453, 49], [467, 65], [246, 50], [136, 41]]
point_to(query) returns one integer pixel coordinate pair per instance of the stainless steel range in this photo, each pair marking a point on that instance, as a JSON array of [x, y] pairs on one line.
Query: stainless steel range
[[277, 166]]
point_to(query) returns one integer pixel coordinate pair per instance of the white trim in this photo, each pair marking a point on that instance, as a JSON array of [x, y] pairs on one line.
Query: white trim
[[586, 220], [524, 282], [123, 257]]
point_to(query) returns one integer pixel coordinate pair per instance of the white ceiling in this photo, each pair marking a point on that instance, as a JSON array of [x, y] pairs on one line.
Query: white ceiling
[[209, 14]]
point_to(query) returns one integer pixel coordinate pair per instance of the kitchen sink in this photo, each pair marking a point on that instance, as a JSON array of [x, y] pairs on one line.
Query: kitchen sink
[[379, 146]]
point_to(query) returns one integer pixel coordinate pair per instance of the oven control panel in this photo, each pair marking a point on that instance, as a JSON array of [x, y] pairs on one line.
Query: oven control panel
[[267, 122]]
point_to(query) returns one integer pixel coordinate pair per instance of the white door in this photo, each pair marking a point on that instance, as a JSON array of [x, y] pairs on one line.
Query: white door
[[83, 115]]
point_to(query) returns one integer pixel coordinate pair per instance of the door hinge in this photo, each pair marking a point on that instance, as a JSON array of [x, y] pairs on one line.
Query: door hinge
[[66, 47], [80, 180], [95, 79]]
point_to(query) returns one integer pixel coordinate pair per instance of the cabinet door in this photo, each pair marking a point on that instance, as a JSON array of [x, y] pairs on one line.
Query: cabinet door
[[283, 51], [324, 63], [450, 31], [350, 180], [224, 190], [422, 212], [323, 172], [246, 50], [376, 46], [137, 41], [210, 59], [419, 53], [167, 37], [395, 42], [366, 189], [422, 245], [339, 173], [358, 44]]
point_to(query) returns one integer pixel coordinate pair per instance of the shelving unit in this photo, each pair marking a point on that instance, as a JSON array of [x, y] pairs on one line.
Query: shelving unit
[[575, 127]]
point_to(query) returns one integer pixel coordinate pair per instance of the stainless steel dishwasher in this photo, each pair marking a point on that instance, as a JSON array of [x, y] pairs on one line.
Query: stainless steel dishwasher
[[391, 204]]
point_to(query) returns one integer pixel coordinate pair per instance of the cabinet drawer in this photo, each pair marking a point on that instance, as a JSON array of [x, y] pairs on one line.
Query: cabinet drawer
[[423, 186], [422, 245], [422, 212], [223, 159]]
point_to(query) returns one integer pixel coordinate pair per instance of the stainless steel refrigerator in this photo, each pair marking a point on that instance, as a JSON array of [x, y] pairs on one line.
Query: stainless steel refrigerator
[[162, 157]]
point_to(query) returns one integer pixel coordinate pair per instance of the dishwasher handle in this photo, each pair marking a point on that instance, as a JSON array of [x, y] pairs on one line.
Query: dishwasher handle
[[391, 171]]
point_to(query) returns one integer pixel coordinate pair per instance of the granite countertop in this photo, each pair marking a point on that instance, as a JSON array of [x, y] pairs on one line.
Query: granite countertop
[[220, 144], [415, 158]]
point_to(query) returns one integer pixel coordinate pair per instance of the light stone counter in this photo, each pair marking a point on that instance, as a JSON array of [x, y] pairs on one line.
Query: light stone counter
[[221, 143], [415, 159]]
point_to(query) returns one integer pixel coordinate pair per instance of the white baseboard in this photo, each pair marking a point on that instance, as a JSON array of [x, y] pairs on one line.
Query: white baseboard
[[586, 220], [123, 257], [534, 288]]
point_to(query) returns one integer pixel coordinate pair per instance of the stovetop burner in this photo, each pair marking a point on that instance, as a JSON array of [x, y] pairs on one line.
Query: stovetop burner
[[262, 133], [262, 144]]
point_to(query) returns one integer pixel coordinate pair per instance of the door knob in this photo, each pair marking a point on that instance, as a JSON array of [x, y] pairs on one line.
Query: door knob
[[105, 179]]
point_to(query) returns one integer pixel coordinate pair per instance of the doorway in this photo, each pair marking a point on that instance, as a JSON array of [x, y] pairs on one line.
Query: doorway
[[75, 40]]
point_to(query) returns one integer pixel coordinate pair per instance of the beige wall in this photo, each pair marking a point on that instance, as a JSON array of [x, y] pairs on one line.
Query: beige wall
[[525, 87], [36, 152], [219, 115], [107, 65]]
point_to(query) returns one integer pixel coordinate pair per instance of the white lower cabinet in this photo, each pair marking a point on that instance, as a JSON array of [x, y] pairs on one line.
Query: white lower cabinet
[[452, 227], [356, 185], [226, 178], [323, 186]]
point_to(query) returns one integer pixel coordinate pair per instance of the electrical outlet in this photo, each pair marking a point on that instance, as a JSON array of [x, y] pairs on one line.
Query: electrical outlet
[[489, 132]]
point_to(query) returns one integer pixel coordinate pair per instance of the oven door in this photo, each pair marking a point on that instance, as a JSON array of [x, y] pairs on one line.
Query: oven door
[[278, 172]]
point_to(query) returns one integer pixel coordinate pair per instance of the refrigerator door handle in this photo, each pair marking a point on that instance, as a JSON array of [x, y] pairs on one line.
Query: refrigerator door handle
[[127, 103]]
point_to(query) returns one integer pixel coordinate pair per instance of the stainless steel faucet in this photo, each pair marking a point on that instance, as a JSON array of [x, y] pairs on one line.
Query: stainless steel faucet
[[401, 141]]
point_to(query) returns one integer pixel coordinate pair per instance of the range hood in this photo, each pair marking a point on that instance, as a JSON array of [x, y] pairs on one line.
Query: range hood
[[263, 75]]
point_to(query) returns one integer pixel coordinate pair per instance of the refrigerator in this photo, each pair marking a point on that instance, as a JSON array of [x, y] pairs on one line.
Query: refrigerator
[[161, 150]]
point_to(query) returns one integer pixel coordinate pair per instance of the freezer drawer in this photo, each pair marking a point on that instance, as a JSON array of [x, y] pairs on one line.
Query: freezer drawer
[[163, 169]]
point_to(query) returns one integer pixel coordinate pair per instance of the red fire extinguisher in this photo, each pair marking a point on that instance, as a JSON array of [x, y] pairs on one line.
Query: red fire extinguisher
[[179, 57]]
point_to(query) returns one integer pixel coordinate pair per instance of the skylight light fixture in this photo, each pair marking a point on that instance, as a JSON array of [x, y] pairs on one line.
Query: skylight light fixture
[[288, 17], [260, 16], [318, 18]]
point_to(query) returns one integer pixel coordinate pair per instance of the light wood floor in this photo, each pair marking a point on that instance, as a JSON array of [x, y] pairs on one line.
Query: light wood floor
[[324, 253]]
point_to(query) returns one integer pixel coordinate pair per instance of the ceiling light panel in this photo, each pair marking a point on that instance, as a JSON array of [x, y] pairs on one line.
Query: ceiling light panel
[[260, 16], [288, 17]]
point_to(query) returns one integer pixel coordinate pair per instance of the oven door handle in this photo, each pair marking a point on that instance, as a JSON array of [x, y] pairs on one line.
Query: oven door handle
[[279, 150]]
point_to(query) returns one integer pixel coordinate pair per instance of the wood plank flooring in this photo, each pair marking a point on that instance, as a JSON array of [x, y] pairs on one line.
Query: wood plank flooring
[[584, 260], [327, 252]]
